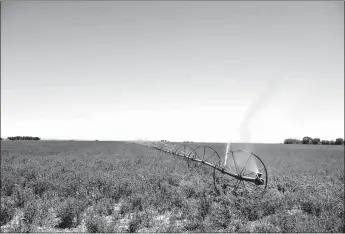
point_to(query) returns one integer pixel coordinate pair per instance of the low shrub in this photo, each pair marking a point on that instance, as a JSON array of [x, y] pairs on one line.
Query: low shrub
[[7, 211], [95, 224], [134, 223], [69, 213]]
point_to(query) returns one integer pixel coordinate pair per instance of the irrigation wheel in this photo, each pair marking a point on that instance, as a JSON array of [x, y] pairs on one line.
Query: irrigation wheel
[[183, 151], [245, 163], [207, 154]]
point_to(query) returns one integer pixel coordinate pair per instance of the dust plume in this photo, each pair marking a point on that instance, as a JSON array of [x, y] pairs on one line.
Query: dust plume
[[254, 108], [257, 105]]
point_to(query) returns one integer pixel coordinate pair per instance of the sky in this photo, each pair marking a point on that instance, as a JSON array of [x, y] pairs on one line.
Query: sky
[[211, 71]]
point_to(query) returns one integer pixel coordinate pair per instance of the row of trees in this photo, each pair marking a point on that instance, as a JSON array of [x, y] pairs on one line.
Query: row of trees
[[315, 141], [23, 138]]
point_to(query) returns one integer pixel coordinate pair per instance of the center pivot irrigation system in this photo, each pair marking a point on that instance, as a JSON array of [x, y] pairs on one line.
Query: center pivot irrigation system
[[239, 169]]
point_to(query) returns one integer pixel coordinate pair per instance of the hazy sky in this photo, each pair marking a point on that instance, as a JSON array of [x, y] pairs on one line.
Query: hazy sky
[[202, 71]]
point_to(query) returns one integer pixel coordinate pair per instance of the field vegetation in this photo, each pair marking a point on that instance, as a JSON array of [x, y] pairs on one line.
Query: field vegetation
[[65, 186]]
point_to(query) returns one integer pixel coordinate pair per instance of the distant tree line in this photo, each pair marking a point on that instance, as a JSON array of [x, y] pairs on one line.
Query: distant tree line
[[314, 141], [23, 138]]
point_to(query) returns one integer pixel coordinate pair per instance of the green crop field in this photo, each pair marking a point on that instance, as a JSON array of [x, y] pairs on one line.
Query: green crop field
[[71, 186]]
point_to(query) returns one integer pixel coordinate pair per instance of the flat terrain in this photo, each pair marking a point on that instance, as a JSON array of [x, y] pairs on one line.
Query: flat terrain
[[66, 186]]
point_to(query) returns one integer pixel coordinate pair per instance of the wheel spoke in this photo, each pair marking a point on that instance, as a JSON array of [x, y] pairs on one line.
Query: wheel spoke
[[238, 182], [246, 164], [207, 159], [242, 182], [235, 164]]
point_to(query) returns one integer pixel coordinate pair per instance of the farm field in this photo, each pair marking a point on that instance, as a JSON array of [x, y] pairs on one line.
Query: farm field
[[72, 186]]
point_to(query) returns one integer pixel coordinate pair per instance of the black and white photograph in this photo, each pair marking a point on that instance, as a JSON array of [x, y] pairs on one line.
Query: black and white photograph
[[172, 116]]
